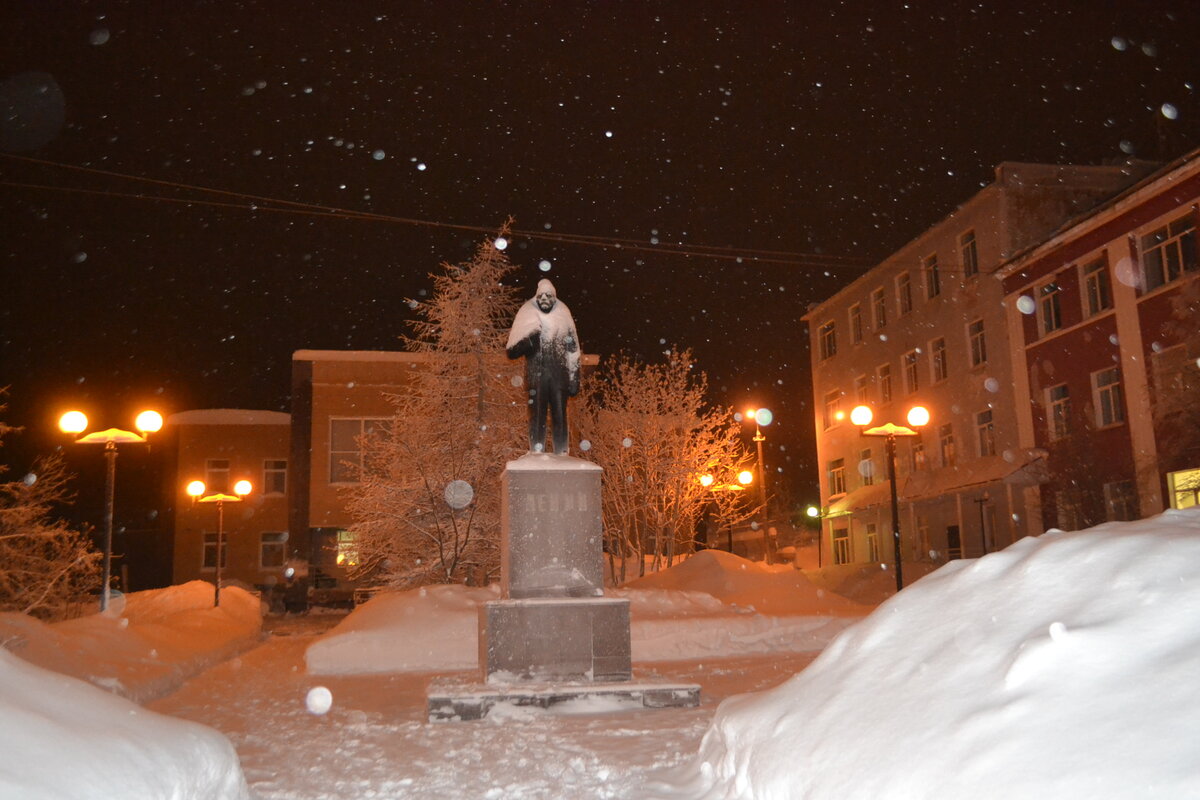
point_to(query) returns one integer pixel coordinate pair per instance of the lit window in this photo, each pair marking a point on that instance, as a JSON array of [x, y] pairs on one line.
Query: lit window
[[827, 338], [904, 293], [933, 278], [1106, 386], [271, 547], [1058, 417], [274, 476], [856, 324], [1049, 308], [1168, 252], [987, 433], [917, 456], [937, 351], [872, 543], [1098, 286], [837, 476], [345, 447], [879, 303], [347, 552], [969, 251], [978, 343]]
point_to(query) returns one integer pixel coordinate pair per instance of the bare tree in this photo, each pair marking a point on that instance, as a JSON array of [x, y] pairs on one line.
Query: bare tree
[[652, 430], [427, 509], [47, 570]]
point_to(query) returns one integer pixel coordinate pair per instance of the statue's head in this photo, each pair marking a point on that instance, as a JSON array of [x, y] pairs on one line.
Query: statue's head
[[546, 296]]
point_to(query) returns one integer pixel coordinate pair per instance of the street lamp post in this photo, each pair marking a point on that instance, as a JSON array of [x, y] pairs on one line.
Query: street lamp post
[[762, 417], [76, 422], [983, 501], [918, 417], [196, 490]]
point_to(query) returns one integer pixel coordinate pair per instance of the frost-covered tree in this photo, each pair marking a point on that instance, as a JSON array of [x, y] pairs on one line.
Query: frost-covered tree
[[652, 430], [427, 509], [1176, 395], [47, 570]]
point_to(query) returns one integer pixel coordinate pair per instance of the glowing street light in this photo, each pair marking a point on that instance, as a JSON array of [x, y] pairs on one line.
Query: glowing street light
[[917, 417], [744, 479], [196, 490], [75, 423]]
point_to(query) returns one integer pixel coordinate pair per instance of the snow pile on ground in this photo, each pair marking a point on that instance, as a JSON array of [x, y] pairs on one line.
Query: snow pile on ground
[[714, 604], [146, 644], [1063, 666], [62, 738]]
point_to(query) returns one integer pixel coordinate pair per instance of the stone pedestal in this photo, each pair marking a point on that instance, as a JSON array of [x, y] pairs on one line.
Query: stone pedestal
[[552, 636]]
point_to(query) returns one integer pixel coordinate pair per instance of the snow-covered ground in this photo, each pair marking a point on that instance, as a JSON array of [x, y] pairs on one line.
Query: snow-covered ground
[[1063, 666]]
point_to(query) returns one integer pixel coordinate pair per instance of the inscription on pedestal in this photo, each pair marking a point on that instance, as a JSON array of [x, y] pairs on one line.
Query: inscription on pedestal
[[551, 529]]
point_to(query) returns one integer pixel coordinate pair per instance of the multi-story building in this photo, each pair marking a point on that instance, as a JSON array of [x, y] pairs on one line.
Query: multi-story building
[[1106, 349], [220, 447], [927, 326]]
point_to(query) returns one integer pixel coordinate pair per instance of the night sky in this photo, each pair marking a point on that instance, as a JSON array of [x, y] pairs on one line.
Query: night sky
[[749, 158]]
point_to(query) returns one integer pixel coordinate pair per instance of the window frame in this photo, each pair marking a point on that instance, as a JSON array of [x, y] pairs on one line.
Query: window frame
[[1097, 286], [1179, 241], [832, 405], [216, 478], [827, 340], [868, 476], [985, 433], [911, 362], [968, 249], [977, 342], [883, 377], [1049, 307], [857, 331], [208, 544], [835, 471], [280, 544], [1058, 412], [336, 464], [271, 473], [904, 294], [1108, 398], [939, 364], [933, 276], [946, 445], [879, 308]]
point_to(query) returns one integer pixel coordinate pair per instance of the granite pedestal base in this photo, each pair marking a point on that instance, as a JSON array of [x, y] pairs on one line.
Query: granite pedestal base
[[555, 639], [454, 702]]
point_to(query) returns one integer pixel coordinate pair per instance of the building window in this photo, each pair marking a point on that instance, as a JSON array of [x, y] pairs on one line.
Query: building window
[[208, 559], [1120, 500], [1168, 252], [862, 390], [841, 545], [345, 446], [271, 548], [1184, 488], [856, 324], [911, 382], [1067, 511], [884, 376], [274, 476], [1097, 286], [987, 433], [904, 293], [879, 305], [1058, 417], [866, 467], [933, 278], [833, 407], [347, 551], [827, 337], [1106, 390], [916, 456], [946, 442], [216, 475], [969, 251], [872, 543], [937, 351], [1049, 308], [837, 476], [978, 343]]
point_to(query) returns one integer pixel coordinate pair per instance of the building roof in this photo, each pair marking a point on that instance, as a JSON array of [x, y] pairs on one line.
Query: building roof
[[229, 416]]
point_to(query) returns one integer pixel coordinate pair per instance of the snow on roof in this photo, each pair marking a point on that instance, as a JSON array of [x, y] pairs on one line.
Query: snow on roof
[[229, 416], [360, 355]]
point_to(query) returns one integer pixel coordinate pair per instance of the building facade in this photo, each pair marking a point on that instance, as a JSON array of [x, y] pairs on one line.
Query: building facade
[[1106, 321], [221, 447], [927, 326]]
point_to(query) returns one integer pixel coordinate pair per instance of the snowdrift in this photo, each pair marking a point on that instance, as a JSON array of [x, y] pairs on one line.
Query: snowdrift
[[147, 643], [741, 608], [63, 738], [1062, 666]]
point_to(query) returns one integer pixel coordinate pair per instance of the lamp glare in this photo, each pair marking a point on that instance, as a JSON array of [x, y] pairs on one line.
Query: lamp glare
[[861, 415], [918, 416], [242, 488], [73, 422], [149, 422], [195, 488]]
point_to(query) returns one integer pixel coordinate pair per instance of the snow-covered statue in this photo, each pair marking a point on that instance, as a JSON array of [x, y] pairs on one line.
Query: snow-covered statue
[[544, 333]]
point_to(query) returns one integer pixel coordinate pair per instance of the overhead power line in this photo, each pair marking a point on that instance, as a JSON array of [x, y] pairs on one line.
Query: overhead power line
[[255, 203]]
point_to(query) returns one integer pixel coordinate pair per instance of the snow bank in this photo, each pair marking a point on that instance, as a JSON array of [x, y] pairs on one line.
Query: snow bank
[[62, 738], [146, 644], [710, 606], [1062, 666]]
